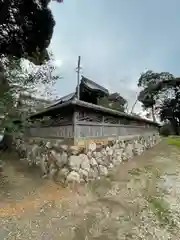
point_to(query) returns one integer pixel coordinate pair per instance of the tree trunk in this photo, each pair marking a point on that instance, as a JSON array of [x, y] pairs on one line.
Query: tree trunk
[[133, 106], [4, 98], [6, 143], [175, 127], [153, 114]]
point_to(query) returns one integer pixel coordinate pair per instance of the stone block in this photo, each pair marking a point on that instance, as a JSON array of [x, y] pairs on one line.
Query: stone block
[[74, 162], [73, 177]]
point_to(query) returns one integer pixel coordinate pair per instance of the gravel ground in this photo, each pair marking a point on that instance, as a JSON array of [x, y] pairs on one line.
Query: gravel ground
[[140, 200]]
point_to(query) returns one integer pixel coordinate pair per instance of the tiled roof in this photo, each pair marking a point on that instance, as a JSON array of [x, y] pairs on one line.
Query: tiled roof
[[93, 85]]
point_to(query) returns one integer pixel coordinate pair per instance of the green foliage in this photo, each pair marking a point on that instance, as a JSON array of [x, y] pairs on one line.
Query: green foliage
[[150, 79], [114, 101], [26, 28], [161, 93], [147, 97], [162, 210], [21, 84], [152, 88], [152, 85], [169, 108], [166, 130]]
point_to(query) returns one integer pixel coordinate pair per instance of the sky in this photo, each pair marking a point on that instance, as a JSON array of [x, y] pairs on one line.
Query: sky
[[117, 40]]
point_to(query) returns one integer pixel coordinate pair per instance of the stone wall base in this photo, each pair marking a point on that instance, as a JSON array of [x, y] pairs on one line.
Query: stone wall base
[[63, 163]]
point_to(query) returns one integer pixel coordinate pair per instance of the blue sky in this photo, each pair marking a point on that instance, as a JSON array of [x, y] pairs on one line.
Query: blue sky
[[117, 40]]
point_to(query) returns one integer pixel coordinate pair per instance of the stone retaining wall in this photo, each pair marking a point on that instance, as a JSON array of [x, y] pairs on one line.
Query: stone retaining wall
[[77, 163]]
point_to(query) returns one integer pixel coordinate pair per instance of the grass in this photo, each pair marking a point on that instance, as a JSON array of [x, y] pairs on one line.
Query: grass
[[145, 169], [175, 140]]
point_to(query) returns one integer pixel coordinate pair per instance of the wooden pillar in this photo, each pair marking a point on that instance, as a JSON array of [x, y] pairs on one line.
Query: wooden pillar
[[102, 127], [75, 137]]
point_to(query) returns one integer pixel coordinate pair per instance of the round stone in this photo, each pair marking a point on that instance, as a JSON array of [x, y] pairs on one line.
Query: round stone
[[73, 177], [93, 162], [103, 170], [75, 162], [92, 146], [62, 174], [83, 174], [85, 164]]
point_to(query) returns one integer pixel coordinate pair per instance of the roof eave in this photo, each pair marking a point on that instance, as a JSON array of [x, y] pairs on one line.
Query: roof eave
[[80, 103]]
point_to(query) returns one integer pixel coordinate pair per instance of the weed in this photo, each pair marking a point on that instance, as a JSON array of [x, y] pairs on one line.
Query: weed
[[83, 229], [112, 176], [135, 171], [148, 168], [161, 210], [100, 186], [155, 171], [138, 171]]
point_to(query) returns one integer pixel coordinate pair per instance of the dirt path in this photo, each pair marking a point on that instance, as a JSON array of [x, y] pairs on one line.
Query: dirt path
[[138, 201]]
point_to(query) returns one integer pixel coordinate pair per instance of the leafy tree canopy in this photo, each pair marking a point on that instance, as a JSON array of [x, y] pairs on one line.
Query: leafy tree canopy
[[26, 28], [161, 93], [114, 101], [152, 85]]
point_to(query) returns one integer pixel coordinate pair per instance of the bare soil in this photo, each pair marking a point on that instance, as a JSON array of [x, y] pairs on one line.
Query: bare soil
[[140, 200]]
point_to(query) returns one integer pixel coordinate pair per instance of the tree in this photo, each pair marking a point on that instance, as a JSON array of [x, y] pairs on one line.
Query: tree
[[133, 106], [26, 28], [151, 84], [169, 109], [166, 129], [17, 78], [161, 93], [114, 101]]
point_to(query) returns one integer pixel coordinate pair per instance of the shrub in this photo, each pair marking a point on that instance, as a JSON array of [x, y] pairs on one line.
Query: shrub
[[166, 130]]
